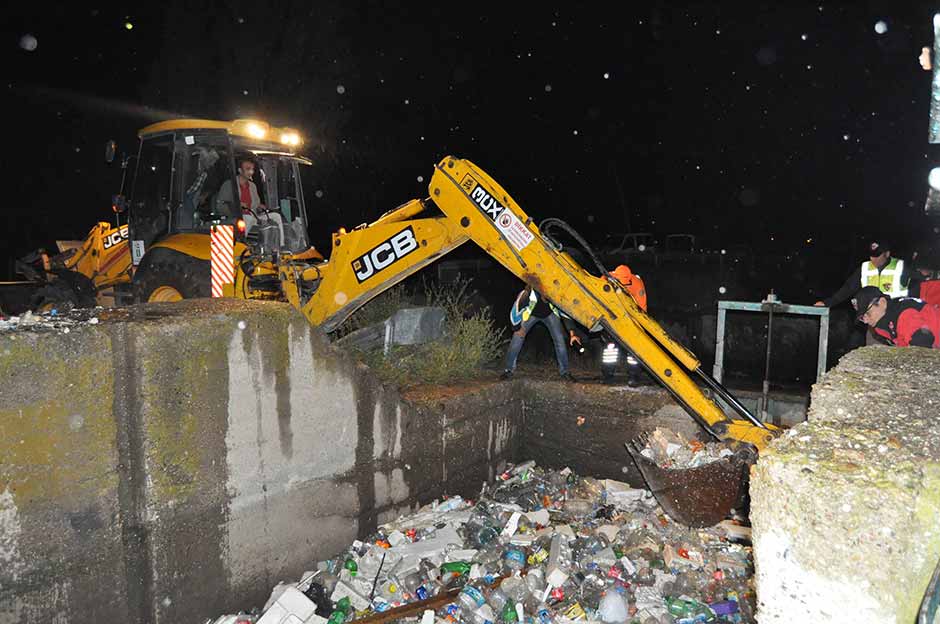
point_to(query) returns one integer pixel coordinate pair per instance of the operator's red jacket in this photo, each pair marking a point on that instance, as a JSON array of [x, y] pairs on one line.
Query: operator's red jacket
[[910, 322]]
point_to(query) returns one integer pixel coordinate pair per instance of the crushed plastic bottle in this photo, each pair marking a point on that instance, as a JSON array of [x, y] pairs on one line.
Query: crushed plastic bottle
[[612, 608]]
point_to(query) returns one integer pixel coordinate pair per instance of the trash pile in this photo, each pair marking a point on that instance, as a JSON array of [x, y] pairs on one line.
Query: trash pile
[[671, 450], [51, 321], [538, 547]]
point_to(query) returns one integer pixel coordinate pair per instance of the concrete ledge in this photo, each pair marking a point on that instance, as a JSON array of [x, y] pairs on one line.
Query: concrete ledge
[[846, 507]]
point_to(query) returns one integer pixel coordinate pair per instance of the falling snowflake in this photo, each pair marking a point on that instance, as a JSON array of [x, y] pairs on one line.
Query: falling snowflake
[[29, 42], [420, 178], [548, 88], [575, 133], [245, 92], [804, 37], [407, 101], [319, 193], [606, 75], [340, 89], [846, 137], [881, 27], [722, 290], [128, 26]]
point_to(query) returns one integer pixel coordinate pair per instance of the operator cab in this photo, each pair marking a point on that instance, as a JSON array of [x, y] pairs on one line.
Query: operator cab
[[187, 180]]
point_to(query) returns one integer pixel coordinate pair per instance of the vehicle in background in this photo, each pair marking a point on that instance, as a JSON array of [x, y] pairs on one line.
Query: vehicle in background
[[680, 243]]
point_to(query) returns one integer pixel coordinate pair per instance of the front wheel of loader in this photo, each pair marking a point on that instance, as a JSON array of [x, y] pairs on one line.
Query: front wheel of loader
[[68, 290], [167, 275]]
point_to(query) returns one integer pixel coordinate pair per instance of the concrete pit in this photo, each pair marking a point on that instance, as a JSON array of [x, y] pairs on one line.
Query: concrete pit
[[175, 461]]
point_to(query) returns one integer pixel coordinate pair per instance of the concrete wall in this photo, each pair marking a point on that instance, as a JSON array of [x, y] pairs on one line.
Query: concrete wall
[[586, 426], [845, 507], [177, 461]]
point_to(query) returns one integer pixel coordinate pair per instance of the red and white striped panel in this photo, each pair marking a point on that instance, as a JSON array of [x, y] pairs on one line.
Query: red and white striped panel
[[223, 258]]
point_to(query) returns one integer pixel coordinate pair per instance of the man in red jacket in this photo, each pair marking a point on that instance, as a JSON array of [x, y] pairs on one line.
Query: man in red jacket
[[902, 322]]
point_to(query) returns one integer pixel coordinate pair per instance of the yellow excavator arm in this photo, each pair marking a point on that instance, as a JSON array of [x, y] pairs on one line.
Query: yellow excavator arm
[[372, 258]]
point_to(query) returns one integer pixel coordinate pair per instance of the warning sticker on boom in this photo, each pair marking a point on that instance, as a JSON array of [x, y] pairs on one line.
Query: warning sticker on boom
[[503, 218], [516, 233]]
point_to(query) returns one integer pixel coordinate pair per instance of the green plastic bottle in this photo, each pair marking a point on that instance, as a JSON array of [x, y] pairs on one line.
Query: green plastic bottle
[[681, 608], [509, 612], [458, 567], [341, 612]]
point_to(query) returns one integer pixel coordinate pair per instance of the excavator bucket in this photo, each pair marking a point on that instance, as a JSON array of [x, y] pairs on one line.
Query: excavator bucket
[[696, 497]]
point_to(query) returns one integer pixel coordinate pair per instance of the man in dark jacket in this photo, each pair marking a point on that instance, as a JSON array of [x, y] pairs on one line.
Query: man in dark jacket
[[889, 274], [902, 322]]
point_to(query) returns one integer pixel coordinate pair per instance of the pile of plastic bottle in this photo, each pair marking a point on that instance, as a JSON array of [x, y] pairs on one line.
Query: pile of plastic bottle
[[538, 547], [671, 450]]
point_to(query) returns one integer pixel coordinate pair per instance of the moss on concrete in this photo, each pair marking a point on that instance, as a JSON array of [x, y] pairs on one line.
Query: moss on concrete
[[57, 439]]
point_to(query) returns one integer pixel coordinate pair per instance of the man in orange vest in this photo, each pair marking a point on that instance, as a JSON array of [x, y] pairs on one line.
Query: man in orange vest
[[633, 283], [610, 355]]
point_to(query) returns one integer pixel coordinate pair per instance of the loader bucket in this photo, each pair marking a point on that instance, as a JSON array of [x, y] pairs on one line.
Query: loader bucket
[[697, 497]]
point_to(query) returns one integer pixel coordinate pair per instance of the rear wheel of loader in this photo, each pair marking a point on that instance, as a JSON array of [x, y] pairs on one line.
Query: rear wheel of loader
[[165, 293], [167, 275]]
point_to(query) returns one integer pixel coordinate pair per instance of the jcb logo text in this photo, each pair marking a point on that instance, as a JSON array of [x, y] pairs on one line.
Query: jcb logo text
[[384, 254]]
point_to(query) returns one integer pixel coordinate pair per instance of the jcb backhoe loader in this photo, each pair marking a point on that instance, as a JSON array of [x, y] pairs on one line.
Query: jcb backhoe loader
[[178, 195], [94, 271]]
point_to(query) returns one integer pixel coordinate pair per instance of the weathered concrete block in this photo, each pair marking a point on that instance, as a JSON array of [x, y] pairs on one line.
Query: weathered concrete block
[[845, 507], [177, 460], [60, 530]]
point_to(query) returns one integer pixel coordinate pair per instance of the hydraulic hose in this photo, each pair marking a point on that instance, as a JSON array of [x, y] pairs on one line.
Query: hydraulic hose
[[551, 223]]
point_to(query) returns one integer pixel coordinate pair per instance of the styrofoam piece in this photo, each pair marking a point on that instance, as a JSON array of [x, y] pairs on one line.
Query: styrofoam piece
[[290, 607]]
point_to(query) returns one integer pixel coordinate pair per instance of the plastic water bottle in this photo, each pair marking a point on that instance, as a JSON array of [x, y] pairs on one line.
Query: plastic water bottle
[[513, 560], [483, 615], [515, 588], [470, 598], [497, 599], [535, 581]]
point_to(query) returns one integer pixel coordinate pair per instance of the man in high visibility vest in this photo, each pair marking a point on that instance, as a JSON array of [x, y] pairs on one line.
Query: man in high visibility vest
[[529, 309], [890, 275]]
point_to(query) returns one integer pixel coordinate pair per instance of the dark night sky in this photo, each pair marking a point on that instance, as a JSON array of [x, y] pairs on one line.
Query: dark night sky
[[763, 123]]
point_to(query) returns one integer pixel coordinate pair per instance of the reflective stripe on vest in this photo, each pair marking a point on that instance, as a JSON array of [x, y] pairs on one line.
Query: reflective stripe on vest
[[888, 280], [517, 316]]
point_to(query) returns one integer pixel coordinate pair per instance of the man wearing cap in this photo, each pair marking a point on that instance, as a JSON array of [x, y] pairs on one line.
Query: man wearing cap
[[881, 270], [902, 322]]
